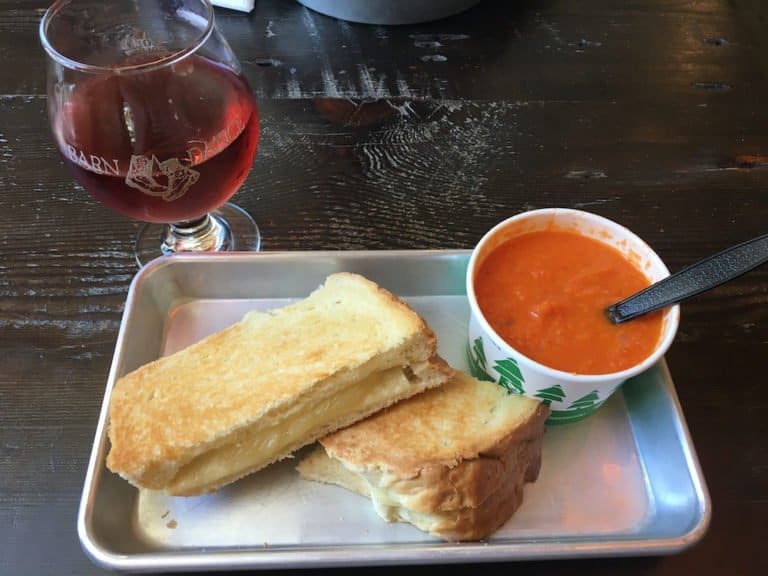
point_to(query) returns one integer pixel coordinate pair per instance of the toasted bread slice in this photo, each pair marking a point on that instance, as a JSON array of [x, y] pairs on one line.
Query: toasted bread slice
[[452, 461], [254, 392]]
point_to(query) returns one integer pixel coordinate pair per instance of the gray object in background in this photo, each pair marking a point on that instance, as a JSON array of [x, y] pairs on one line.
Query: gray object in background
[[389, 11]]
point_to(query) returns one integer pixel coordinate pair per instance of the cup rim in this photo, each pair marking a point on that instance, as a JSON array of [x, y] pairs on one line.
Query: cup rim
[[671, 315], [160, 62]]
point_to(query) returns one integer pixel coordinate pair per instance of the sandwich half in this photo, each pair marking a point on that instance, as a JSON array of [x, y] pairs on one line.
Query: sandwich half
[[255, 392], [451, 461]]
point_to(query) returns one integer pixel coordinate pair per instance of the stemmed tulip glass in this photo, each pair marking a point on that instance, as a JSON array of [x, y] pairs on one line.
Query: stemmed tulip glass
[[150, 112]]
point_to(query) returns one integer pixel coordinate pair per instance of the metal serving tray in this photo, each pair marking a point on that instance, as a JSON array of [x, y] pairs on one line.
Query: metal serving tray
[[625, 481]]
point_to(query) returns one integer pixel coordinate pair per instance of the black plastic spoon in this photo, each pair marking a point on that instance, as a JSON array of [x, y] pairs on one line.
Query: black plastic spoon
[[694, 279]]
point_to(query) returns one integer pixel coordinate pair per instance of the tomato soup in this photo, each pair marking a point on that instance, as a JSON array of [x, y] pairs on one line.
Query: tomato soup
[[545, 294]]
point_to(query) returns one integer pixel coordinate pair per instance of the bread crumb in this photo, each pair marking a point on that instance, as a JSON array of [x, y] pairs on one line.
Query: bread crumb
[[172, 524]]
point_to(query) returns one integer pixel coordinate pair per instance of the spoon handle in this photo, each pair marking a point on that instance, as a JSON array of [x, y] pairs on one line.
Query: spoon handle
[[708, 273]]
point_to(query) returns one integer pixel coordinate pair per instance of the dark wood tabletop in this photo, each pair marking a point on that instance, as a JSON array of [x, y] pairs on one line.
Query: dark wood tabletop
[[650, 112]]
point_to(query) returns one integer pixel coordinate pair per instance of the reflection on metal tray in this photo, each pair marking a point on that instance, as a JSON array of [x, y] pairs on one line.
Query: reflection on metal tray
[[625, 481]]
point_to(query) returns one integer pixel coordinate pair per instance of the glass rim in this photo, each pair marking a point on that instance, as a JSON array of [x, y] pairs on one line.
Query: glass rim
[[71, 64]]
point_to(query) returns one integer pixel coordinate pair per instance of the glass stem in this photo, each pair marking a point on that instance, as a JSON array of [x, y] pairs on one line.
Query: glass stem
[[204, 234], [196, 227]]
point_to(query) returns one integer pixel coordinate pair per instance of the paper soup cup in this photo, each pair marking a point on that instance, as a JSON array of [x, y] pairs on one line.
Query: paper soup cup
[[570, 396]]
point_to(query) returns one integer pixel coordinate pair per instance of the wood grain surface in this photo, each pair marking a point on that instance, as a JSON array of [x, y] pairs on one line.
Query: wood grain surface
[[649, 112]]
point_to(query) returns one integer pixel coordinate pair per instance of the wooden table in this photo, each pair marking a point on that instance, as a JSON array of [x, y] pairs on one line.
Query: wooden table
[[649, 112]]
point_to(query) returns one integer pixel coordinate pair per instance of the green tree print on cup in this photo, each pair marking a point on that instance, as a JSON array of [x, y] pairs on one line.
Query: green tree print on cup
[[552, 394], [581, 408], [477, 360], [510, 376], [586, 401]]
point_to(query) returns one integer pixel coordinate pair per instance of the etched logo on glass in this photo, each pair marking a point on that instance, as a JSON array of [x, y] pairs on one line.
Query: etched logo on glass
[[168, 180]]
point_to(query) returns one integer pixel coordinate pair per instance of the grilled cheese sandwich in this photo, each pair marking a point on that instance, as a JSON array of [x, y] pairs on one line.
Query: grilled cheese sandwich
[[255, 392], [451, 461]]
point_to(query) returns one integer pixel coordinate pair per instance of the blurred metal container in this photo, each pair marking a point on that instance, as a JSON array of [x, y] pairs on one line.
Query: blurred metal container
[[389, 11]]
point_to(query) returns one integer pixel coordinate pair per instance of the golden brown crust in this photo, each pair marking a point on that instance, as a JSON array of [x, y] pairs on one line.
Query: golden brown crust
[[478, 522], [431, 430], [172, 410], [457, 524], [453, 461]]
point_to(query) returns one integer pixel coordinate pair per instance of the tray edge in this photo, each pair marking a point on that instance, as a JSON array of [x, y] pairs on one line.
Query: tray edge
[[417, 554]]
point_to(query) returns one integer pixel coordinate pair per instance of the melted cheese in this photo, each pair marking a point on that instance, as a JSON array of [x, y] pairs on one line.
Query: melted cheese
[[257, 447]]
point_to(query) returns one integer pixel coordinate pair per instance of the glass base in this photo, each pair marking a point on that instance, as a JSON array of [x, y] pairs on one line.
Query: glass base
[[229, 228]]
